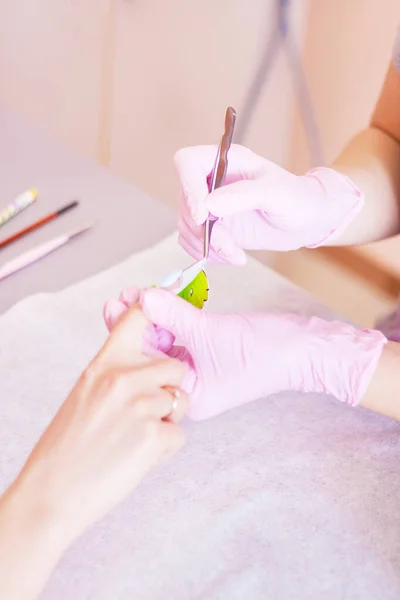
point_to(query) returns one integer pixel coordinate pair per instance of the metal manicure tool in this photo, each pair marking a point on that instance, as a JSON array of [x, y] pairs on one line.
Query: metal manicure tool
[[219, 172], [181, 280]]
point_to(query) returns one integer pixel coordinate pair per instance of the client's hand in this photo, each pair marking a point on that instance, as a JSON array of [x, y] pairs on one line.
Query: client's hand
[[232, 358], [119, 421], [262, 206]]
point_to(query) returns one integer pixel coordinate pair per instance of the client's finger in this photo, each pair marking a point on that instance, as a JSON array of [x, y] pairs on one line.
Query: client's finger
[[113, 310], [165, 339], [169, 404], [172, 313], [130, 296], [190, 379], [125, 343], [148, 378]]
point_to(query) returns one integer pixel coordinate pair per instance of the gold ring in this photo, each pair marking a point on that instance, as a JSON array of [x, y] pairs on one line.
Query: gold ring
[[176, 394]]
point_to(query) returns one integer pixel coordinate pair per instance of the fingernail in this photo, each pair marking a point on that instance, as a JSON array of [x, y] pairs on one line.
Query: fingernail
[[165, 339], [130, 296], [106, 316], [112, 312]]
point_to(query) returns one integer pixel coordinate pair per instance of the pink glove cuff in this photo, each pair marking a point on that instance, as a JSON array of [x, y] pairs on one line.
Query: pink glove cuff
[[345, 202], [342, 359], [390, 324]]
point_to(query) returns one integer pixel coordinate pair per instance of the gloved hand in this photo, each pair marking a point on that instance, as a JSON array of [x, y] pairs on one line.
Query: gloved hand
[[232, 359], [262, 206]]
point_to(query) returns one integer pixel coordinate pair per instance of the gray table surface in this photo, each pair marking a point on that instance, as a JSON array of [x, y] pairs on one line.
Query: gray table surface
[[127, 220]]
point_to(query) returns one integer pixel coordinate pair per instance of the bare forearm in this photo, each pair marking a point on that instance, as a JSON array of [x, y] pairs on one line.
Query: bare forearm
[[383, 394], [372, 160], [30, 546]]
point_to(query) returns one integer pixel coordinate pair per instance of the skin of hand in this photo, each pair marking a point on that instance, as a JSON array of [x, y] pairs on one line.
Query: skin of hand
[[269, 353], [114, 427]]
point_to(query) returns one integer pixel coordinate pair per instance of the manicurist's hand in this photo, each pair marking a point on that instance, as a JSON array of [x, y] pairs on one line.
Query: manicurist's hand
[[232, 359], [262, 206]]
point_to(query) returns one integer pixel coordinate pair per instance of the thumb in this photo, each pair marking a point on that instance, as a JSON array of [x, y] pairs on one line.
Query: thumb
[[241, 196], [125, 342], [112, 312], [172, 313]]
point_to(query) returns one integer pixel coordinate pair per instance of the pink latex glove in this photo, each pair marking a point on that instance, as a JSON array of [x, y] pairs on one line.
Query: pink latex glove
[[233, 359], [156, 339], [262, 206]]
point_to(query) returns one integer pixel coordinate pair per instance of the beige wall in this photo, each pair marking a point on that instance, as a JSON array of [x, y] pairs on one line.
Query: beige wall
[[50, 65], [347, 49], [126, 80]]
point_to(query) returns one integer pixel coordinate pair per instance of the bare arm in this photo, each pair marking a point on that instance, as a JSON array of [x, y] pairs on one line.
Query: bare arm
[[31, 543], [383, 394], [372, 161]]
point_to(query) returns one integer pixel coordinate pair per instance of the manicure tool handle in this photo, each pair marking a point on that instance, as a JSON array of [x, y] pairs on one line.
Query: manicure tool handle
[[31, 256], [221, 161], [219, 171], [18, 205]]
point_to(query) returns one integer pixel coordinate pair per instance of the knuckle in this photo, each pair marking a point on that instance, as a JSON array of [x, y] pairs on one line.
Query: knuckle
[[136, 319], [137, 313], [173, 369], [140, 407], [92, 373], [178, 155], [110, 382], [182, 154], [151, 372], [151, 431], [179, 368], [140, 378], [102, 382], [115, 382]]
